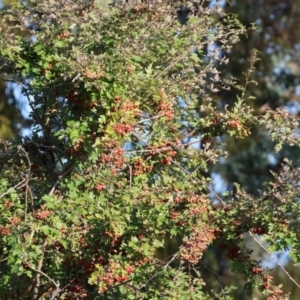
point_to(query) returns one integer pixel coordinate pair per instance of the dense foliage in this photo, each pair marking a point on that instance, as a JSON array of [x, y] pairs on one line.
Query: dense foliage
[[125, 127]]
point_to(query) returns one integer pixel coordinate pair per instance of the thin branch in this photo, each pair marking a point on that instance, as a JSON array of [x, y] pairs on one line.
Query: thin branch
[[276, 260], [76, 77], [26, 176], [189, 174], [45, 275], [18, 185], [217, 196], [150, 118], [130, 170], [39, 272], [175, 61], [59, 178], [219, 281]]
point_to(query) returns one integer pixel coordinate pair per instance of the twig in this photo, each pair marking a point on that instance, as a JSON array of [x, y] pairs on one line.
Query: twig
[[190, 173], [27, 186], [45, 275], [150, 119], [39, 273], [216, 195], [276, 260], [25, 179], [20, 184], [76, 77], [222, 288], [177, 60], [130, 170], [59, 179]]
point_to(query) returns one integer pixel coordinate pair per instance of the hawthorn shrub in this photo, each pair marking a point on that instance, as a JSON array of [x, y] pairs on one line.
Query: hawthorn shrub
[[121, 99]]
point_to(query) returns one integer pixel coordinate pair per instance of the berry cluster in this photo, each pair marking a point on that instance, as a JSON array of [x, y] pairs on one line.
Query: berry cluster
[[46, 70], [276, 294], [199, 240], [259, 230], [164, 106], [165, 110], [93, 74], [128, 107], [75, 291], [140, 167], [118, 101], [193, 211], [158, 15], [65, 34], [237, 124], [99, 186], [192, 199], [122, 129], [114, 156], [90, 258], [8, 204], [256, 270], [74, 151], [132, 108], [74, 97], [168, 157], [4, 231], [43, 214], [175, 215], [166, 146], [119, 272], [234, 123], [115, 273], [130, 69], [15, 221], [167, 160]]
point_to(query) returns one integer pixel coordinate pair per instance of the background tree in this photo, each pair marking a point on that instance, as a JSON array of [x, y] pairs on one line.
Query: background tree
[[11, 118], [277, 75]]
